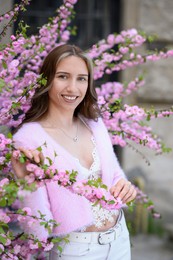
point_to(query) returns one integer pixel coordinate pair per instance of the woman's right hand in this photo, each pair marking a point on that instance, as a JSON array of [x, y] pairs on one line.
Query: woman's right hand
[[20, 168]]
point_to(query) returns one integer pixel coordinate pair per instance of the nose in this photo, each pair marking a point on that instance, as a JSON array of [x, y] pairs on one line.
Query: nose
[[71, 87]]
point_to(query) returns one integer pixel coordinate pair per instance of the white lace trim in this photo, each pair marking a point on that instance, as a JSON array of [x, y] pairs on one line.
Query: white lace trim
[[100, 215], [95, 167]]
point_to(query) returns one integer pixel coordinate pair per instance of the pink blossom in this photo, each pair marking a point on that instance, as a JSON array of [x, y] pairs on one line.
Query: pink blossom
[[3, 182], [150, 207], [1, 248], [2, 159], [4, 141], [39, 172], [123, 50], [101, 100], [34, 246], [16, 154], [31, 167], [13, 64], [30, 178], [65, 36], [119, 39], [99, 193], [27, 210], [170, 53], [4, 217], [13, 37], [156, 215], [70, 1], [119, 203], [132, 32], [111, 39], [48, 247], [6, 16], [17, 249]]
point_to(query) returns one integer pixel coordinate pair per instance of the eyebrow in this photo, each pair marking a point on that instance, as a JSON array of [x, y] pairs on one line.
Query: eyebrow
[[58, 72]]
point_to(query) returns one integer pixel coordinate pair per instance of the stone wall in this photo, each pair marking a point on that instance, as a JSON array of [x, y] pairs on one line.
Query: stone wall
[[4, 7], [153, 17]]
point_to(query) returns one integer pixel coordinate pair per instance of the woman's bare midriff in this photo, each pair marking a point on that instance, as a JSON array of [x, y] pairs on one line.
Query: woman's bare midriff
[[107, 225]]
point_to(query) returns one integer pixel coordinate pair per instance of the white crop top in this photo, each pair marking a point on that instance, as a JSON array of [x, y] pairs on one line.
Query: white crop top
[[100, 214]]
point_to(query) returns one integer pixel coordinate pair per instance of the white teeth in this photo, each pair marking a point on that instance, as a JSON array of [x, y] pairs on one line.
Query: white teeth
[[70, 98]]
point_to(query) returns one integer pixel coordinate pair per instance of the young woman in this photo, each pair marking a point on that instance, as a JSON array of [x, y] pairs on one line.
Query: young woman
[[65, 115]]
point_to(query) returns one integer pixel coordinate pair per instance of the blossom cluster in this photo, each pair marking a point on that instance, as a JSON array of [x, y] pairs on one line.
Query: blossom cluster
[[39, 174], [26, 54], [94, 190], [143, 199], [129, 122], [22, 245], [11, 16], [20, 61]]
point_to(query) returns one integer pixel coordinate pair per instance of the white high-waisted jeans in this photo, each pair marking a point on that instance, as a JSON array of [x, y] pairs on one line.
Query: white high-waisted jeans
[[118, 249]]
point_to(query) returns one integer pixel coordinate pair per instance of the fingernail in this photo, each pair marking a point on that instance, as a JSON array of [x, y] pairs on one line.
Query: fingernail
[[30, 155]]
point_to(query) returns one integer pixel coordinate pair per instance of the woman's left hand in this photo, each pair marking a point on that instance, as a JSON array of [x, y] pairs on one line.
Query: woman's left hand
[[124, 190]]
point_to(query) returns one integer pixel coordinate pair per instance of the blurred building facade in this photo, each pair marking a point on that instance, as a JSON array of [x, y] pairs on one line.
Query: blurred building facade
[[153, 17], [95, 20]]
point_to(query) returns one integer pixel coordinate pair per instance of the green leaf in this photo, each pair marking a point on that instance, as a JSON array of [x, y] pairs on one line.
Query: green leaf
[[3, 226], [43, 223], [22, 159], [8, 156], [42, 48], [39, 149], [42, 81], [148, 117], [15, 105], [56, 240], [3, 202], [41, 215], [59, 248], [3, 240], [9, 135], [111, 202], [55, 154], [2, 84], [50, 161], [104, 186], [4, 64], [2, 231]]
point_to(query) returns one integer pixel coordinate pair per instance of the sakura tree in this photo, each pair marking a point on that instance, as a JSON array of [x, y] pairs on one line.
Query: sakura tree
[[20, 61]]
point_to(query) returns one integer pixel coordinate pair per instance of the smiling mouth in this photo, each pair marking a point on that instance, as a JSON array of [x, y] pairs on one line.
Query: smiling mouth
[[69, 98]]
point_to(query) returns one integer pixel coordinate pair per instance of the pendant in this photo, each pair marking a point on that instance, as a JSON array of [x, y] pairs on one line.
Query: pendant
[[75, 139]]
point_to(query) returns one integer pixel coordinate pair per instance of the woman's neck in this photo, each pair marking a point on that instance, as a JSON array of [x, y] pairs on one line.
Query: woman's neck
[[57, 119]]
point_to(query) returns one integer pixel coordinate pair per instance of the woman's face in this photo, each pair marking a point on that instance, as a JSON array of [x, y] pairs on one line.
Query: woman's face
[[69, 85]]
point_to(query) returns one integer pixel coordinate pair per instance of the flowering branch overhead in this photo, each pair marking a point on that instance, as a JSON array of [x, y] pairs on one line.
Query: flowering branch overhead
[[20, 61]]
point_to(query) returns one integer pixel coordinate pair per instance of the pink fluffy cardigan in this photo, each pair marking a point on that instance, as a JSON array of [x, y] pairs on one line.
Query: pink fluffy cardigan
[[72, 211]]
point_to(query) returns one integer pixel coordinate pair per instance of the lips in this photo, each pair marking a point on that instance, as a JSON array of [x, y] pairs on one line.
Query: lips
[[69, 98]]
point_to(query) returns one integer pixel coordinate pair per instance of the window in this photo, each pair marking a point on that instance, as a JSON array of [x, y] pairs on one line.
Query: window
[[95, 19]]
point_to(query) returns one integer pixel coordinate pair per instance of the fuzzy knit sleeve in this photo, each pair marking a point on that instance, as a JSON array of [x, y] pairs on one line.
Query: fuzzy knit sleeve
[[118, 172], [27, 136], [111, 169]]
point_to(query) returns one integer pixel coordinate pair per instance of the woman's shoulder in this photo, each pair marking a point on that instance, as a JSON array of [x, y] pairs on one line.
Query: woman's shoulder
[[97, 125], [28, 133], [27, 128], [91, 122]]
